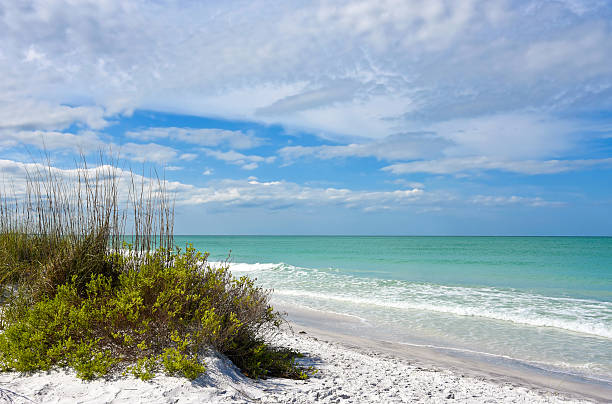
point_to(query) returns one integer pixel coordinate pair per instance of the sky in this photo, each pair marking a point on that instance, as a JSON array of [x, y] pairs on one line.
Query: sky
[[409, 117]]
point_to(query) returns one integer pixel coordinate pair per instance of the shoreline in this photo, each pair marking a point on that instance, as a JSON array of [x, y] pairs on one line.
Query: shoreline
[[431, 359], [518, 373]]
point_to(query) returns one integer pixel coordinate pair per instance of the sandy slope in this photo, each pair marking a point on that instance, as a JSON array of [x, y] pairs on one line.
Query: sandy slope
[[346, 375]]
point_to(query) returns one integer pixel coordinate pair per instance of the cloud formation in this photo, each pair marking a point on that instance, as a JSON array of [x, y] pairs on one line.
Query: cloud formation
[[148, 152], [235, 139], [32, 114], [52, 140], [376, 68], [247, 162], [247, 192], [488, 200], [404, 146], [271, 194], [476, 164], [434, 91]]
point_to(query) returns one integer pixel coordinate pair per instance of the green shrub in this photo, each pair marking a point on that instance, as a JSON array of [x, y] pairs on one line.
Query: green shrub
[[53, 332], [161, 315], [260, 360], [144, 368], [176, 363], [70, 298]]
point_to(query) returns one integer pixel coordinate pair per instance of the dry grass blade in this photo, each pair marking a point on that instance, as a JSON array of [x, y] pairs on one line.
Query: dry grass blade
[[57, 224]]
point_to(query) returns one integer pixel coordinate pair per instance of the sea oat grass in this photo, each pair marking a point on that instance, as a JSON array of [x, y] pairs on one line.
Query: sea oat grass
[[76, 295]]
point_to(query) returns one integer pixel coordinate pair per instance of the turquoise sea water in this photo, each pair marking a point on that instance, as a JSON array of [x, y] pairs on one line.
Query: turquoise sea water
[[539, 301]]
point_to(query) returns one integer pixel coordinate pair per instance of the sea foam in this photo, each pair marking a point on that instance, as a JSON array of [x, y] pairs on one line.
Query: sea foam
[[571, 314]]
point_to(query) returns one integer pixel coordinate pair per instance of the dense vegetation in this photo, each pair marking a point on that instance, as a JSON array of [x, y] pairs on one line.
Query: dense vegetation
[[76, 294]]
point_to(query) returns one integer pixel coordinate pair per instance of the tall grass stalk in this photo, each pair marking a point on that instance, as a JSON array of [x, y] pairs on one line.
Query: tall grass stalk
[[78, 292], [56, 224]]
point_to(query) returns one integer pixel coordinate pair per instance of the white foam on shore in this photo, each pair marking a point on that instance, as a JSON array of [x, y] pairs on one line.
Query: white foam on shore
[[570, 314], [244, 267], [517, 317]]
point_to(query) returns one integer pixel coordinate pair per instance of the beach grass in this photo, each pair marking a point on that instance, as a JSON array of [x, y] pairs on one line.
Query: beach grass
[[77, 292]]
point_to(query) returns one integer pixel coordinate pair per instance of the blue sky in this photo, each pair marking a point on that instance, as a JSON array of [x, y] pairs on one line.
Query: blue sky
[[347, 117]]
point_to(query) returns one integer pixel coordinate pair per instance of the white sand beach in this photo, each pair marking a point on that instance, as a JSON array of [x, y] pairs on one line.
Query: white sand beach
[[347, 373]]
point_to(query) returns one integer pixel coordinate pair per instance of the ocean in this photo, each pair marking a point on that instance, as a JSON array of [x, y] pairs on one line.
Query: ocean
[[541, 302]]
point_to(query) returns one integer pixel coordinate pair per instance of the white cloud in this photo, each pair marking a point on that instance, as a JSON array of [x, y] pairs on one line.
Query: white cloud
[[247, 162], [14, 176], [273, 194], [148, 152], [478, 164], [188, 156], [508, 136], [230, 193], [28, 114], [576, 50], [235, 139], [395, 147], [339, 91], [279, 194], [91, 142], [536, 202], [583, 6], [88, 142], [502, 141], [403, 182], [52, 140], [357, 68]]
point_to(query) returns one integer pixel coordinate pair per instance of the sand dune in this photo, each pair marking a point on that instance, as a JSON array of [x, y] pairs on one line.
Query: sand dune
[[346, 374]]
